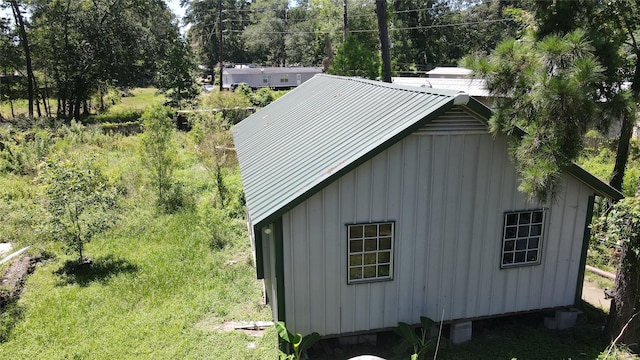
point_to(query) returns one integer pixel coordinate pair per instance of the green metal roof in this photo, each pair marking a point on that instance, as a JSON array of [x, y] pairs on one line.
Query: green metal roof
[[327, 126]]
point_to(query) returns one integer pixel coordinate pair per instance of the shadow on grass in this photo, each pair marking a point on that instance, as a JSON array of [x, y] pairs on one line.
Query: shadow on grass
[[510, 337], [101, 270], [10, 315]]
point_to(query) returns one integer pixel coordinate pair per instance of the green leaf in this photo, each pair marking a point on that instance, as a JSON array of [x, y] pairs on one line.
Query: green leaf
[[285, 335], [309, 340], [297, 339], [427, 323], [407, 332]]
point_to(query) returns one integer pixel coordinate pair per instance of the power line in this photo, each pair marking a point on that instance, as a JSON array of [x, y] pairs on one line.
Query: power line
[[390, 29]]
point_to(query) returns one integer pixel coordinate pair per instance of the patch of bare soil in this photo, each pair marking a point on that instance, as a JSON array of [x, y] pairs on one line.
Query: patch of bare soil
[[251, 328], [12, 281]]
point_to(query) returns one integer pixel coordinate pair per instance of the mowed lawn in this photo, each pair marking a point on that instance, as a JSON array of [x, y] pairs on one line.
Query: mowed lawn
[[136, 99]]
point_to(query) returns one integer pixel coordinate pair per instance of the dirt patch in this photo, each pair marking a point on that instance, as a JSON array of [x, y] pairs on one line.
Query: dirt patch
[[251, 328], [12, 281]]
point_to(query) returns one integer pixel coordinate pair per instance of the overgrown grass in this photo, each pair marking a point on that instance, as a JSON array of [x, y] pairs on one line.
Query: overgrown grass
[[159, 286], [153, 281]]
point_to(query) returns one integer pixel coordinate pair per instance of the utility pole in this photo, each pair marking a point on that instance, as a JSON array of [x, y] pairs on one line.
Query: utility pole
[[345, 22], [381, 10], [220, 42]]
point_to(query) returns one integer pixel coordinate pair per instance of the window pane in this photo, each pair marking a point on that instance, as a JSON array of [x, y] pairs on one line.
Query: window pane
[[371, 245], [522, 237], [385, 243], [356, 246], [355, 231], [370, 259], [509, 245], [355, 273], [369, 272], [536, 217], [383, 270], [385, 229], [536, 230], [371, 230], [370, 251], [355, 260], [523, 231]]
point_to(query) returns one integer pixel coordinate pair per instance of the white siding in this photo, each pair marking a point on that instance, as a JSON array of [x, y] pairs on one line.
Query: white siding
[[447, 194]]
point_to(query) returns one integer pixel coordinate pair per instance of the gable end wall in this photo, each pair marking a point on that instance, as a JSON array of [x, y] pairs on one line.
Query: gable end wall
[[447, 194]]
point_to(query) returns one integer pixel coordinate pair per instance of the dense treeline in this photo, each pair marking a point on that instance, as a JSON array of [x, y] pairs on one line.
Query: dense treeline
[[72, 50], [423, 34]]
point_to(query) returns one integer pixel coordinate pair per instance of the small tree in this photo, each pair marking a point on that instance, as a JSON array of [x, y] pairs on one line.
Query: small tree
[[354, 59], [213, 143], [80, 201], [176, 74], [158, 151]]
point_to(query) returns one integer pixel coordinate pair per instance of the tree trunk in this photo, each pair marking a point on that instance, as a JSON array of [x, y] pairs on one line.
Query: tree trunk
[[622, 152], [381, 10], [27, 52], [624, 320], [625, 304]]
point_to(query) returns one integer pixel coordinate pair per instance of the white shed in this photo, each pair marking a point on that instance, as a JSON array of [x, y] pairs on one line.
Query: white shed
[[372, 203]]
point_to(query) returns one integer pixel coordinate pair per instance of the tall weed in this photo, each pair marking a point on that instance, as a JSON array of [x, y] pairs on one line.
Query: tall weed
[[22, 152]]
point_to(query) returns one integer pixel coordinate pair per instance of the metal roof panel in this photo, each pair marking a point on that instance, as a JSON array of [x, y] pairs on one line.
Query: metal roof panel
[[323, 127]]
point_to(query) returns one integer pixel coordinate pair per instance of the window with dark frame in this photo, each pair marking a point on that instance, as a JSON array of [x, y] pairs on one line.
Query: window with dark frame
[[370, 252], [522, 238]]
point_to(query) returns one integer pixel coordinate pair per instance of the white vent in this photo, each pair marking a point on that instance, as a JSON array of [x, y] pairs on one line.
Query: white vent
[[454, 121]]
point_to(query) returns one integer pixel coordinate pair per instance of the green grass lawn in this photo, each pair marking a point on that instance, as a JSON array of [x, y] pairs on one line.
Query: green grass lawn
[[138, 99]]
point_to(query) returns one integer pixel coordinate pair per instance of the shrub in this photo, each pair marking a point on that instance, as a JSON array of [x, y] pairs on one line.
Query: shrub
[[128, 116], [159, 156], [79, 200], [22, 152], [263, 97], [233, 106]]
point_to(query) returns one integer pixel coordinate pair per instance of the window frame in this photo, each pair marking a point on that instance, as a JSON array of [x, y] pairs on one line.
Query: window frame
[[381, 248], [512, 238]]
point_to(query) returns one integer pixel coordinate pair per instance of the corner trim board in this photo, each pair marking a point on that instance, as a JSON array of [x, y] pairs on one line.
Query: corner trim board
[[585, 247]]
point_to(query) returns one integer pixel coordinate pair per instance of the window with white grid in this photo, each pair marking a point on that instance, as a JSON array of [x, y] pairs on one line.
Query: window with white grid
[[522, 239], [370, 252]]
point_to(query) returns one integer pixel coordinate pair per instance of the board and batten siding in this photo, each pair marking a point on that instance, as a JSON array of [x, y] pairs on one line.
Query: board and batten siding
[[447, 192]]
